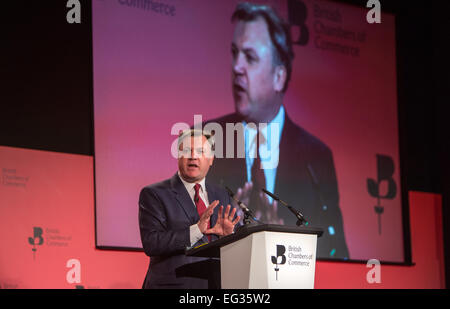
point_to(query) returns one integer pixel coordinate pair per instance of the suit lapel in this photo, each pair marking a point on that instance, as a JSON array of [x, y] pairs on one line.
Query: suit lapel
[[184, 200], [292, 158], [212, 196]]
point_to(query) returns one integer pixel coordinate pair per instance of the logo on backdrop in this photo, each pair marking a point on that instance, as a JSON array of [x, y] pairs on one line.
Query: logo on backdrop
[[276, 259], [36, 240], [10, 177], [298, 13], [326, 27], [53, 238], [385, 171]]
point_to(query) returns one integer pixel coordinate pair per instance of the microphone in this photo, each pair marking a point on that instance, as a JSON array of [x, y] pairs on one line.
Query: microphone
[[298, 215], [248, 213]]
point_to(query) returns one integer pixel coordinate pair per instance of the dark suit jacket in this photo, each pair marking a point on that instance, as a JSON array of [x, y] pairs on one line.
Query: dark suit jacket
[[166, 212], [293, 184]]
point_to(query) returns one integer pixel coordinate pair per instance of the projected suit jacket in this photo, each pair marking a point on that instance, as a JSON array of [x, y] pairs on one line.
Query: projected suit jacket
[[166, 212], [317, 200]]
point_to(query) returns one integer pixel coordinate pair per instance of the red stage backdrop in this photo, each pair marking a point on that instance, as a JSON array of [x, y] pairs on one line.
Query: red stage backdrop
[[46, 204], [157, 67], [47, 226]]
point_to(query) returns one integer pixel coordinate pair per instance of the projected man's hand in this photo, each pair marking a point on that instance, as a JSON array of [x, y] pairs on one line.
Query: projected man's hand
[[243, 195], [267, 211], [264, 210]]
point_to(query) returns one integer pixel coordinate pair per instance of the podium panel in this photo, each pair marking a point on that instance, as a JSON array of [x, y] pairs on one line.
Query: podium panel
[[269, 260]]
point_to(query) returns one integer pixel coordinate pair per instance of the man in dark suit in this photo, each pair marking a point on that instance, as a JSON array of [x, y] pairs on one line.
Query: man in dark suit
[[279, 156], [176, 214]]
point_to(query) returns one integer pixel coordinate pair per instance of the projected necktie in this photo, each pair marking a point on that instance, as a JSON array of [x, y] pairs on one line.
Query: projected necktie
[[201, 207], [258, 178]]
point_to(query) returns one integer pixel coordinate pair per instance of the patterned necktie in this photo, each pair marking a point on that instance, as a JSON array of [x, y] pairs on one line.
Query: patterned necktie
[[201, 207], [258, 178]]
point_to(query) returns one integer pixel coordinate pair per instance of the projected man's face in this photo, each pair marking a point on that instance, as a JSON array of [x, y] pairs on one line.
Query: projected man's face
[[195, 158], [253, 74]]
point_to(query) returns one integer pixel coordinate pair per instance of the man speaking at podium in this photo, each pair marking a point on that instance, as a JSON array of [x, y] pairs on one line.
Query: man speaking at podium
[[176, 213]]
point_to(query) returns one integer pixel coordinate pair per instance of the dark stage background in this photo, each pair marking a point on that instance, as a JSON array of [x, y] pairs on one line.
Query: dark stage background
[[47, 87]]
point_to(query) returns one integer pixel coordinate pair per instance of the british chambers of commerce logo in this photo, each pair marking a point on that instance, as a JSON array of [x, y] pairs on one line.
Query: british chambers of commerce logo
[[279, 259], [54, 238], [385, 180], [298, 13], [36, 240], [324, 26]]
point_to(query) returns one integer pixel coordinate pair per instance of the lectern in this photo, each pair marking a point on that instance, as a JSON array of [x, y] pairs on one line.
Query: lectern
[[265, 256]]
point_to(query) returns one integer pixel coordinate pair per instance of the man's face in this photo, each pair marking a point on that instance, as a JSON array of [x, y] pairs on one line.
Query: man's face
[[253, 74], [195, 158]]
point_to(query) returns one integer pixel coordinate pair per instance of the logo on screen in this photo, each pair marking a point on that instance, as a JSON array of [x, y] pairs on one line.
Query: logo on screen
[[36, 240], [298, 13], [385, 171], [279, 259]]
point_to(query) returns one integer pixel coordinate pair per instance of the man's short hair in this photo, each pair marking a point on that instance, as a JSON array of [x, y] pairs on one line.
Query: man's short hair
[[279, 32], [195, 132]]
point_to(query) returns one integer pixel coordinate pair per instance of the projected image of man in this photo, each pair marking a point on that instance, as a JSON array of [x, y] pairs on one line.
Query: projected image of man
[[304, 173]]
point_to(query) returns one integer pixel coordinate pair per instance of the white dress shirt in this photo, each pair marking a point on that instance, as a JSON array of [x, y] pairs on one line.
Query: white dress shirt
[[194, 232]]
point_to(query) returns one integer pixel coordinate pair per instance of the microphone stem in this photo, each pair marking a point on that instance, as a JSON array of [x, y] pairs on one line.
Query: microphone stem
[[297, 214]]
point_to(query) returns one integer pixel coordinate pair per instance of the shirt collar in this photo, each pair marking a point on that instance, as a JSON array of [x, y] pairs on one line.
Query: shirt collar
[[279, 119], [190, 185]]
